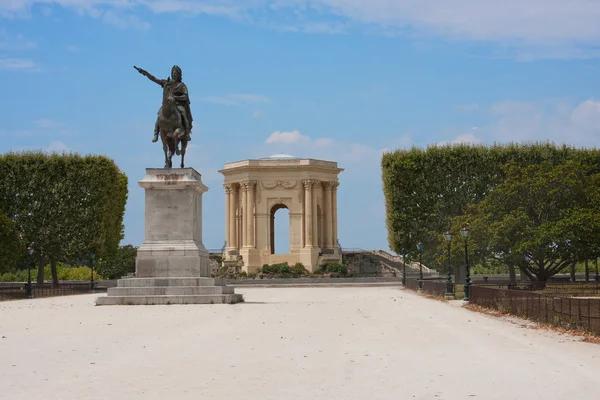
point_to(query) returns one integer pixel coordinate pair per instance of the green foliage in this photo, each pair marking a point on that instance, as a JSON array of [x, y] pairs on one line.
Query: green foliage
[[118, 264], [299, 270], [284, 270], [65, 205], [12, 249], [65, 273], [275, 268], [334, 268], [542, 218], [425, 189]]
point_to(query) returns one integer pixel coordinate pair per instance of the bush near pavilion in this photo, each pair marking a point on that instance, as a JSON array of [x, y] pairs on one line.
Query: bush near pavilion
[[528, 206], [64, 206]]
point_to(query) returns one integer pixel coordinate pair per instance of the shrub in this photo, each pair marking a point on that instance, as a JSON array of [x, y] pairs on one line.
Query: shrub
[[65, 273], [335, 268], [273, 269], [298, 269]]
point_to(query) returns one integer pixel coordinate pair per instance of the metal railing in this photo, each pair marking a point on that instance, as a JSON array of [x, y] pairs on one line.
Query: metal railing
[[19, 291], [566, 312]]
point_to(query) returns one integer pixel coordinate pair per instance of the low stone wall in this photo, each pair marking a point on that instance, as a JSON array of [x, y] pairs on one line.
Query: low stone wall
[[313, 281]]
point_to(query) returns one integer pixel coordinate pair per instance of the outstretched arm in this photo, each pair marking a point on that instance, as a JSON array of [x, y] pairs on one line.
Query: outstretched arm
[[148, 75]]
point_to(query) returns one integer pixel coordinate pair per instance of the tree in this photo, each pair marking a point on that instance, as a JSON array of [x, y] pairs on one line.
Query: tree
[[541, 218], [12, 248], [119, 264], [66, 205], [426, 188]]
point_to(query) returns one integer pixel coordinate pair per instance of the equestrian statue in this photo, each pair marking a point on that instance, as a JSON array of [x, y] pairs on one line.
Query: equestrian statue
[[174, 120]]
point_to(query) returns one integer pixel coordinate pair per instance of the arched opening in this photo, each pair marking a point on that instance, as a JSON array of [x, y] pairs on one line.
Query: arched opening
[[280, 227]]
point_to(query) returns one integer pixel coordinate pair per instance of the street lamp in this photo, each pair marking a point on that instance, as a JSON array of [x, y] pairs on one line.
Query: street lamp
[[449, 286], [92, 256], [404, 267], [465, 234], [29, 288], [420, 246]]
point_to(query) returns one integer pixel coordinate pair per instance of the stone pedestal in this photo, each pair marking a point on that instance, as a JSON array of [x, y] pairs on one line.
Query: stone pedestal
[[172, 265]]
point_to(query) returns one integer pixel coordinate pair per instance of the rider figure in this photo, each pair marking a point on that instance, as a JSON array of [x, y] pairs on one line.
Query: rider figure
[[180, 94]]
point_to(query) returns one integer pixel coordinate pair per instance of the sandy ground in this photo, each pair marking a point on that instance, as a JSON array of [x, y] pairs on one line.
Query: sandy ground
[[294, 343]]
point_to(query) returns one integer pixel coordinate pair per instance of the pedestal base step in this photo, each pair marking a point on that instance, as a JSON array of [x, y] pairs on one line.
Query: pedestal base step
[[161, 282], [170, 291], [168, 300], [187, 290]]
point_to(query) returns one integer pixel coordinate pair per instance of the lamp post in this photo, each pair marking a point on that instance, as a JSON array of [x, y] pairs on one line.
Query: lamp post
[[404, 267], [92, 256], [465, 234], [420, 246], [29, 288], [449, 286]]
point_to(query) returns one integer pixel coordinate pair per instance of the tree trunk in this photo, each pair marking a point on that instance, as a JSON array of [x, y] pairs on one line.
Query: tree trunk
[[41, 261], [572, 270], [512, 273], [587, 271], [54, 273]]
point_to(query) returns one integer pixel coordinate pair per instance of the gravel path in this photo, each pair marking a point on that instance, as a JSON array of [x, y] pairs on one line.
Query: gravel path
[[363, 343]]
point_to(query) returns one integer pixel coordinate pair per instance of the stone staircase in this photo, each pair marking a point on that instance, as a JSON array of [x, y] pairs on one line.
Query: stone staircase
[[146, 291], [395, 263]]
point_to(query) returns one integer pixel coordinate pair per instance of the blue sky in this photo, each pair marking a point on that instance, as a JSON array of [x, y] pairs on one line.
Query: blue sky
[[341, 80]]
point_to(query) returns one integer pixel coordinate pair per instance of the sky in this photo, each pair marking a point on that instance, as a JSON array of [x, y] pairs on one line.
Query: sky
[[339, 80]]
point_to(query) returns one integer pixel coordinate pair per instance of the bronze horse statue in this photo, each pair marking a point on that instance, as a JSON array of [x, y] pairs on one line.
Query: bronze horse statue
[[174, 115], [171, 127]]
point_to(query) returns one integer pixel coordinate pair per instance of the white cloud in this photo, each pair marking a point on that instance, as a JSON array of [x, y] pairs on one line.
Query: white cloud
[[534, 28], [15, 42], [57, 147], [466, 138], [17, 64], [125, 21], [236, 99], [293, 137], [549, 120], [343, 152], [258, 114], [47, 123]]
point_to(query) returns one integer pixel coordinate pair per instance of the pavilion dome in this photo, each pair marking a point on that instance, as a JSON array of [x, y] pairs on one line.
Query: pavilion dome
[[280, 157]]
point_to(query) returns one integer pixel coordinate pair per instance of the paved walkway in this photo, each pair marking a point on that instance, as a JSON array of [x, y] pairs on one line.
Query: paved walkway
[[363, 343]]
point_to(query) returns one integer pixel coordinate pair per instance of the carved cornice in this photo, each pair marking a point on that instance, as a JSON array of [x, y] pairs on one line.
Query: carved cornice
[[282, 184], [334, 185], [228, 188]]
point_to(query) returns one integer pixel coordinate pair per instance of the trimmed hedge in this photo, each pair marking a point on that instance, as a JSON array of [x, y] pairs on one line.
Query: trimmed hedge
[[66, 205], [425, 188]]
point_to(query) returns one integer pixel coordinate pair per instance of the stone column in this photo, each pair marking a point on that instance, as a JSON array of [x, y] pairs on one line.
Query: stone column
[[232, 217], [250, 207], [227, 188], [244, 188], [328, 212], [308, 213], [315, 215], [334, 222]]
